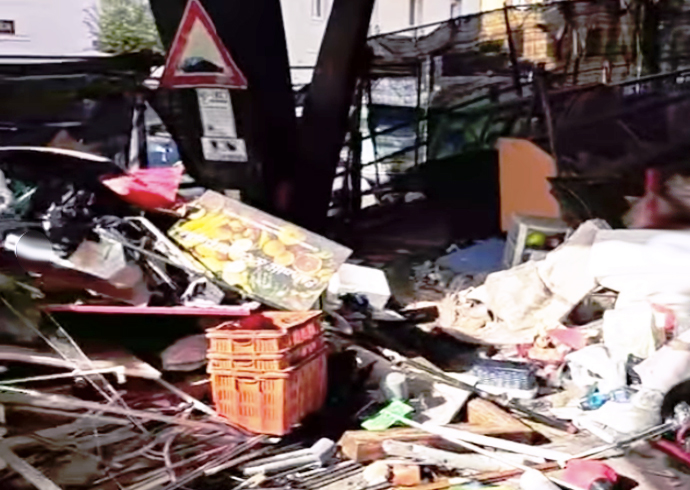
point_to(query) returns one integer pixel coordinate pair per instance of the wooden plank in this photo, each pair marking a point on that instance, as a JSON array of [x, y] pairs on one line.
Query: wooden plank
[[483, 418], [484, 413]]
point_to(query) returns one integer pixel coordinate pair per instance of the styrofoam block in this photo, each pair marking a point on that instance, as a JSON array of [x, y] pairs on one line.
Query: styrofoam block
[[370, 282]]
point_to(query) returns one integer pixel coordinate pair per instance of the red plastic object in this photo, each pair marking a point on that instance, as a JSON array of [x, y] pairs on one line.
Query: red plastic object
[[271, 402], [673, 450], [150, 188], [585, 474], [273, 332], [265, 362]]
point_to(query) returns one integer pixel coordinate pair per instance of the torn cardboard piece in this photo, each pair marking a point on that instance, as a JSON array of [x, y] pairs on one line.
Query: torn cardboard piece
[[532, 298], [564, 271], [523, 303]]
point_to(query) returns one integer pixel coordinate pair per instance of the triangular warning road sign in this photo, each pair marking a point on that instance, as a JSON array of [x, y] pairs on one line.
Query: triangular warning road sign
[[197, 57]]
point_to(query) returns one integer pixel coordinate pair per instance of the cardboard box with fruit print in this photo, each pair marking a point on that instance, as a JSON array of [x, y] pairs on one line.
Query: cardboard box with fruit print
[[267, 258]]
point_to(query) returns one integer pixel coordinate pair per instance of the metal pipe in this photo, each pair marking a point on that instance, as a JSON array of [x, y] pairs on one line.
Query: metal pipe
[[120, 370], [653, 432], [510, 446]]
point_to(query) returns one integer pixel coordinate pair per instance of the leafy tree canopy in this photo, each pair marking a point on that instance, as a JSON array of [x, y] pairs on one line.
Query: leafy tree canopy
[[126, 26]]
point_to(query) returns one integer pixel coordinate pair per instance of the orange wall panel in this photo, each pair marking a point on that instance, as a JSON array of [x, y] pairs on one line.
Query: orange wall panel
[[523, 170]]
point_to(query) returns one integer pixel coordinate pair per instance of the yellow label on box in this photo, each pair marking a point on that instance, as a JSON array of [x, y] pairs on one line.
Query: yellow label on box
[[267, 258]]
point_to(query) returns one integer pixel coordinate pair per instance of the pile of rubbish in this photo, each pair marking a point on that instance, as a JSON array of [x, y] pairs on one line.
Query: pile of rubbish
[[84, 242], [153, 342]]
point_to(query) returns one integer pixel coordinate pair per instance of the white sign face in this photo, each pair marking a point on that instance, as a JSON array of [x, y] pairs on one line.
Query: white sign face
[[224, 149], [217, 116]]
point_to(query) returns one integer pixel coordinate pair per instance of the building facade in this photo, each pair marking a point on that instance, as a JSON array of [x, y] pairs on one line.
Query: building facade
[[64, 27], [46, 27], [305, 24]]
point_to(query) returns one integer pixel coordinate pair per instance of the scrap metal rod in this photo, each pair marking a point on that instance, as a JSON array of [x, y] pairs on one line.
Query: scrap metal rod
[[30, 397], [60, 432], [162, 471], [232, 456], [330, 475], [262, 479], [62, 413], [208, 275], [74, 374], [31, 474], [235, 462], [320, 474], [65, 345], [328, 479], [161, 476]]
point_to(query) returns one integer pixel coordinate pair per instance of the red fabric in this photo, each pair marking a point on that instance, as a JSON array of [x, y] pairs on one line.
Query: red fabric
[[151, 188]]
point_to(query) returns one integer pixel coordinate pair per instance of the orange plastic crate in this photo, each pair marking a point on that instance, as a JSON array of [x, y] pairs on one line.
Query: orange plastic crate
[[272, 402], [265, 362], [271, 332]]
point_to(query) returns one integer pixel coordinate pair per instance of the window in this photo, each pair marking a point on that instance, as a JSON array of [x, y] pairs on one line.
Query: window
[[7, 27], [594, 42], [317, 9]]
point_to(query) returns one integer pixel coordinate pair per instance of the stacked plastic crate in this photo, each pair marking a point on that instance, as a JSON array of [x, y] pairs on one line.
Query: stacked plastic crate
[[268, 371]]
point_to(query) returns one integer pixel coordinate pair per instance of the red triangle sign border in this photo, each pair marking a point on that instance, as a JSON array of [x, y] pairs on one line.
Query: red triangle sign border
[[170, 79]]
